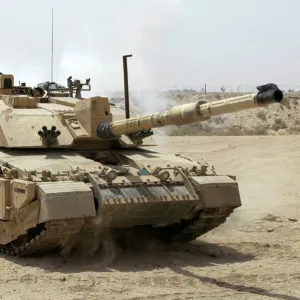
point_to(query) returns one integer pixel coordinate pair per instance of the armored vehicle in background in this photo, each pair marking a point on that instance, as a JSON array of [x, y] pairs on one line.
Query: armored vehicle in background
[[72, 165], [55, 89]]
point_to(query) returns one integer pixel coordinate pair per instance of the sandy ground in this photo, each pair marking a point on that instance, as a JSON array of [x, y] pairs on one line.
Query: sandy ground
[[254, 255]]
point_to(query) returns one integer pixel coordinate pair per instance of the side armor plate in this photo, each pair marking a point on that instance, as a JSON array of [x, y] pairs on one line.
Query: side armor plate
[[61, 200]]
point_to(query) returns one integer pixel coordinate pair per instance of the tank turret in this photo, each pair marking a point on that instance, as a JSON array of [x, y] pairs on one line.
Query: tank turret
[[51, 121], [190, 113]]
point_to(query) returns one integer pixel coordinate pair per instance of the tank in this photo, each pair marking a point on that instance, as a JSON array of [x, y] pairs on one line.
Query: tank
[[71, 166], [54, 89]]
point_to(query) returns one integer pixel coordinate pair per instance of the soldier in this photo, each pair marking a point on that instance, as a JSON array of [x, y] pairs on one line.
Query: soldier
[[70, 86]]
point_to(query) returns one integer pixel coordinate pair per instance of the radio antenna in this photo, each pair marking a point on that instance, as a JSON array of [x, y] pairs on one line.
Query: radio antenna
[[52, 49]]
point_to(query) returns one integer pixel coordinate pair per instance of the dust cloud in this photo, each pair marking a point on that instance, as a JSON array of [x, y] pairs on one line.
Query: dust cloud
[[111, 244], [100, 58]]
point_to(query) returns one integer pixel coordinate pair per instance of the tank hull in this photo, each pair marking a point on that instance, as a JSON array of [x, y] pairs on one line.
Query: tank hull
[[62, 195]]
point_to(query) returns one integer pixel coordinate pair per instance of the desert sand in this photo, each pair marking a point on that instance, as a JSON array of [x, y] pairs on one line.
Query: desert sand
[[254, 255]]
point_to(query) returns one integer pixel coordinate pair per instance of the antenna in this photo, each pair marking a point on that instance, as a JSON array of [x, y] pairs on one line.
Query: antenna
[[52, 50]]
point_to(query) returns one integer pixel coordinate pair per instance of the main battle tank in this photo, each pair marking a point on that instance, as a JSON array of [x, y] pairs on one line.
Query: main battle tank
[[72, 166]]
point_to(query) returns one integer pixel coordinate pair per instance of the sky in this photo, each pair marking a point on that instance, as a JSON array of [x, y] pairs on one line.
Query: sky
[[174, 43]]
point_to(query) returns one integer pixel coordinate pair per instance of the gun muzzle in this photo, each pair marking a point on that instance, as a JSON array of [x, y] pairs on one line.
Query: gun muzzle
[[269, 93]]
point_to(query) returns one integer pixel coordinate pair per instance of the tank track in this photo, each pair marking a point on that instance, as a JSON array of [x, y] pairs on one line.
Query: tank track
[[56, 233], [187, 231], [53, 236]]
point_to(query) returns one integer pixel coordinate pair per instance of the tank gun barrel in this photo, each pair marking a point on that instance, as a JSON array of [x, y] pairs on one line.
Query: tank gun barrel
[[191, 112]]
